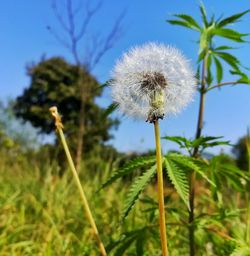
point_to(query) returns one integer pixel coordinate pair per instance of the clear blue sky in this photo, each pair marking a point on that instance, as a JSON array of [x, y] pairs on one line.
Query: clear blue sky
[[24, 38]]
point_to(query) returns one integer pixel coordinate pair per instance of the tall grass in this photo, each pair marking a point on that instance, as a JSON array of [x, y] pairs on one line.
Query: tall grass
[[40, 214]]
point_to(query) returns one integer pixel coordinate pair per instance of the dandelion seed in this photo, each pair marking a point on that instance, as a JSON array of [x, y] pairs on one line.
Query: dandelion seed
[[151, 81]]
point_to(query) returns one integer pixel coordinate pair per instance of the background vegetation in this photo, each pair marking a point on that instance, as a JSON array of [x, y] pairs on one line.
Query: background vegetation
[[206, 195]]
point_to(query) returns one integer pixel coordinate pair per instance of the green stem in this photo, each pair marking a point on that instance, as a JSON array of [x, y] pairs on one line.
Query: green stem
[[160, 191], [77, 181], [192, 179]]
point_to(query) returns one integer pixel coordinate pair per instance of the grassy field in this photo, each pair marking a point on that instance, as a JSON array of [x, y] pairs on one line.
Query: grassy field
[[41, 214]]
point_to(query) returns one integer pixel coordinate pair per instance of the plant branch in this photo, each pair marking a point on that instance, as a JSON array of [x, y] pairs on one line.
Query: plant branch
[[195, 154], [221, 84]]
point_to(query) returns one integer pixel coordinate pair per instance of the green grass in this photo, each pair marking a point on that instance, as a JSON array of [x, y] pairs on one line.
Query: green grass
[[41, 214]]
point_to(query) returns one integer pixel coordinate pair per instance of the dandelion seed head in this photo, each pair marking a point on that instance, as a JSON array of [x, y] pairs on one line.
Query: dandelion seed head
[[151, 81]]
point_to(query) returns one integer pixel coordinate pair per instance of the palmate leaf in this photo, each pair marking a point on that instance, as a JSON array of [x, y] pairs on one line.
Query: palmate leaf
[[181, 141], [137, 236], [136, 189], [209, 141], [229, 59], [128, 168], [244, 79], [226, 173], [232, 19], [190, 164], [179, 179], [242, 250]]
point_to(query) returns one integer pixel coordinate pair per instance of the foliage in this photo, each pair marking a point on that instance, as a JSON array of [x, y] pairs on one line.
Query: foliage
[[241, 152], [179, 179], [209, 30], [55, 82], [13, 132]]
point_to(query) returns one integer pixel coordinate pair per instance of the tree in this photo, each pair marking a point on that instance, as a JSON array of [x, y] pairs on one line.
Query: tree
[[242, 152], [55, 82], [76, 33]]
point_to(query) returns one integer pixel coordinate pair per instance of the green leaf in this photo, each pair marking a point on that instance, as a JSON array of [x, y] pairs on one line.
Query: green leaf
[[244, 79], [181, 141], [111, 108], [232, 19], [179, 179], [209, 72], [230, 34], [189, 20], [202, 55], [125, 245], [223, 47], [136, 189], [219, 69], [209, 141], [129, 167], [229, 59], [242, 250], [180, 23], [189, 163], [203, 14]]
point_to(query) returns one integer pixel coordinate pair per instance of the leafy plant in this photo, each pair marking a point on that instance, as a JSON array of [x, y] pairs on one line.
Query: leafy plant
[[211, 56]]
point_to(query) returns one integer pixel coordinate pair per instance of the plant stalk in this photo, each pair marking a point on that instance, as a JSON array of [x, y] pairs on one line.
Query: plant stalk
[[86, 207], [195, 154], [160, 191]]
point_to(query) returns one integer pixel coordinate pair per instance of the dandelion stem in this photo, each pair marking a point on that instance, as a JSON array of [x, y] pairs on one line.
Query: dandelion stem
[[86, 207], [160, 191]]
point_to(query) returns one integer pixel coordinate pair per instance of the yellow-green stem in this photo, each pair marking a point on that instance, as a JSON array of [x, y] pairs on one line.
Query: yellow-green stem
[[160, 191], [77, 181]]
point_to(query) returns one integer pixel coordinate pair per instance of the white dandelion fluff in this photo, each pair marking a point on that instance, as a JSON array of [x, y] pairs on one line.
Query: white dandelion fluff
[[151, 81]]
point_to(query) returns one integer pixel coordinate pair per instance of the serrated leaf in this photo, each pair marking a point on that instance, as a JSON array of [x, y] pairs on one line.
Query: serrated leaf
[[190, 164], [180, 23], [179, 179], [124, 246], [181, 141], [189, 20], [219, 69], [229, 59], [230, 34], [129, 167], [137, 187], [208, 141], [232, 18], [244, 78], [243, 250], [127, 238]]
